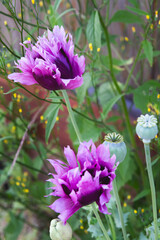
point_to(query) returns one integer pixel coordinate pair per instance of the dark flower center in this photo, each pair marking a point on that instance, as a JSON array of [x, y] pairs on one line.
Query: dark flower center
[[64, 65], [66, 189], [104, 180], [90, 198]]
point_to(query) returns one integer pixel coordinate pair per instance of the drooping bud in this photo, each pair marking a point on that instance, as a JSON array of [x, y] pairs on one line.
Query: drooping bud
[[116, 146], [146, 127], [59, 231]]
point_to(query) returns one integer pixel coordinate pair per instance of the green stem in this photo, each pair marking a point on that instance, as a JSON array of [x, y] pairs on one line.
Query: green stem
[[115, 190], [112, 226], [100, 221], [152, 186], [65, 95]]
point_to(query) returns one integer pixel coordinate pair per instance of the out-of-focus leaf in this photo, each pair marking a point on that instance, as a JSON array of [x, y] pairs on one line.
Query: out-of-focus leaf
[[94, 30], [146, 93], [56, 4], [109, 104], [81, 91], [13, 228], [148, 50], [51, 121], [142, 194], [12, 90], [137, 10], [125, 16]]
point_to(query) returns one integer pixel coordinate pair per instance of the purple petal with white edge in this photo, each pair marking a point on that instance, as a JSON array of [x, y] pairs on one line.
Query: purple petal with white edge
[[70, 156], [23, 78]]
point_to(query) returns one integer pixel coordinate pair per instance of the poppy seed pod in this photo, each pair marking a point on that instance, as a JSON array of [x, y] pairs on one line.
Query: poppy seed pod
[[116, 146], [59, 231], [146, 127]]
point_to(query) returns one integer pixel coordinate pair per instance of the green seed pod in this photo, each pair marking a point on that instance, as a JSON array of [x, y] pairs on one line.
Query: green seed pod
[[146, 127], [59, 231], [116, 146]]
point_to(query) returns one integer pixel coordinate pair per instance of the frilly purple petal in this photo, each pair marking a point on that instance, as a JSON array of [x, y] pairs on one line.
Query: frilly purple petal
[[80, 187], [51, 62]]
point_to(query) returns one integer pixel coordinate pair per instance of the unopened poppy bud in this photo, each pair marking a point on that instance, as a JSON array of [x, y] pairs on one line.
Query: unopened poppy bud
[[59, 231], [146, 127], [116, 146]]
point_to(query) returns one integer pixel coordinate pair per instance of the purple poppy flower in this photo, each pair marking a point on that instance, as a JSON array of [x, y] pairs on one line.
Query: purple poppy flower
[[77, 188], [51, 62]]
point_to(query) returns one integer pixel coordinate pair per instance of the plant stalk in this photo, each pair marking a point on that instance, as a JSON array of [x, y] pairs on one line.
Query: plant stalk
[[152, 186], [115, 190]]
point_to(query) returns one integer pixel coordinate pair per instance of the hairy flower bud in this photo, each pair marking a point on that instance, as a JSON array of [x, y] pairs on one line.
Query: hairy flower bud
[[59, 231], [116, 146], [146, 127]]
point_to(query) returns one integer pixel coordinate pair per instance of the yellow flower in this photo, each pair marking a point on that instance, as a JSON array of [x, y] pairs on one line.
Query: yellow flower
[[129, 197], [142, 210], [151, 26], [49, 11], [17, 183], [29, 39], [156, 14], [81, 227], [81, 221], [68, 5], [41, 117], [57, 118], [90, 46], [33, 1], [158, 96], [41, 3], [46, 122], [5, 141], [25, 173], [26, 190], [8, 65], [85, 231], [13, 129], [18, 178], [149, 109], [133, 29], [126, 39], [5, 23], [19, 15], [124, 204], [156, 136], [23, 185], [147, 17], [135, 211], [20, 110], [98, 49], [14, 95]]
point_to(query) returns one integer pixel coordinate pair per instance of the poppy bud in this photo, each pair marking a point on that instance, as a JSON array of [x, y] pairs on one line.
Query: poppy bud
[[59, 231], [116, 145], [146, 127]]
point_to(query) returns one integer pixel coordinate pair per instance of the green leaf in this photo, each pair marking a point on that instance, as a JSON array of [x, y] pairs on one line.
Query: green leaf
[[108, 106], [56, 5], [12, 90], [81, 91], [13, 228], [94, 30], [78, 35], [7, 137], [137, 10], [142, 194], [148, 50], [51, 121], [65, 12], [146, 93], [125, 16]]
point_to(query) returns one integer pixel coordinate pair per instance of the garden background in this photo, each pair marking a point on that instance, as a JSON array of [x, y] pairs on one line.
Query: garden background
[[120, 42]]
